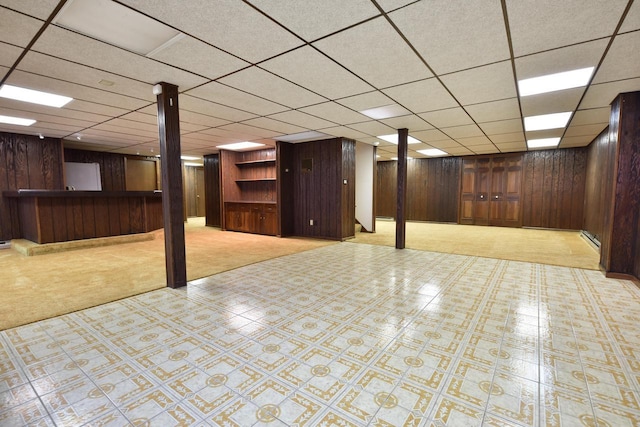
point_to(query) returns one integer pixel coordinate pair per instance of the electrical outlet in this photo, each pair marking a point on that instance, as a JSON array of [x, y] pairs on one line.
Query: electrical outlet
[[310, 222]]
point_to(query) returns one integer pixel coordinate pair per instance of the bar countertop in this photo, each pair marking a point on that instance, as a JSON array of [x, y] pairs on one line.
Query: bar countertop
[[75, 193]]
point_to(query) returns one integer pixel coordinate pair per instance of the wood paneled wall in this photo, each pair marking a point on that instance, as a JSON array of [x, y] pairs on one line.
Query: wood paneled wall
[[285, 155], [26, 162], [554, 188], [433, 187], [594, 197], [112, 167], [212, 190], [320, 194]]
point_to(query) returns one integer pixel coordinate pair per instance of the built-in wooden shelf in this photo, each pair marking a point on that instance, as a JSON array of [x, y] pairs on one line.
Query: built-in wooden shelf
[[255, 179], [256, 162]]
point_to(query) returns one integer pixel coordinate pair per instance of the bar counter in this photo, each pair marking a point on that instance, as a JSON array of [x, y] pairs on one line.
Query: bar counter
[[60, 216]]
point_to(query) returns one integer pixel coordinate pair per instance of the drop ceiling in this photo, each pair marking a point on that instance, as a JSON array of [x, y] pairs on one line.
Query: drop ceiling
[[258, 70]]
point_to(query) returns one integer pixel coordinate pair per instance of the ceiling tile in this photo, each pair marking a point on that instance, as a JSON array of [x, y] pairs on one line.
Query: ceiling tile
[[467, 131], [45, 118], [373, 128], [309, 68], [119, 138], [632, 21], [16, 28], [494, 110], [94, 108], [560, 23], [303, 120], [140, 117], [33, 130], [575, 141], [39, 9], [68, 45], [473, 141], [389, 5], [233, 26], [597, 115], [447, 118], [275, 125], [507, 138], [624, 50], [336, 113], [445, 144], [512, 146], [367, 49], [190, 103], [228, 135], [552, 102], [262, 83], [345, 132], [549, 133], [601, 95], [451, 37], [488, 83], [196, 56], [559, 60], [221, 94], [422, 96], [250, 130], [586, 130], [366, 101], [117, 129], [311, 20], [461, 151], [488, 149], [8, 56], [502, 126], [202, 119], [125, 122], [411, 122], [430, 135]]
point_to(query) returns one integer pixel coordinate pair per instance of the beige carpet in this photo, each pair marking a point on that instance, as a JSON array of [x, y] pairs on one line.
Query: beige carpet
[[43, 286], [565, 248]]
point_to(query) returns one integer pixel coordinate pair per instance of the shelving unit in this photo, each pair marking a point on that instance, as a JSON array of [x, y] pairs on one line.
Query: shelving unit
[[249, 191]]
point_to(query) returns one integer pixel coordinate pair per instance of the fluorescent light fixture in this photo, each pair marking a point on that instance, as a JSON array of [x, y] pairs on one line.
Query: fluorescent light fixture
[[192, 164], [240, 146], [544, 142], [547, 121], [116, 24], [386, 112], [33, 96], [554, 82], [393, 138], [408, 158], [432, 152], [311, 135], [189, 158], [16, 121]]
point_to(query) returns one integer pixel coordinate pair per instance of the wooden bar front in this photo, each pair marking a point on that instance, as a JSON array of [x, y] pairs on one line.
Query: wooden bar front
[[61, 216]]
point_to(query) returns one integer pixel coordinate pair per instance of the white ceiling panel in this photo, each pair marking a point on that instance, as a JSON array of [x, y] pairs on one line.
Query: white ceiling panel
[[422, 96], [116, 129], [447, 118], [8, 56], [366, 101], [119, 139], [301, 119], [231, 25], [597, 115], [65, 112], [429, 136], [576, 141], [197, 119], [312, 20], [198, 105], [250, 130], [309, 68], [507, 138], [541, 134], [274, 125], [65, 44], [40, 8], [194, 55], [452, 38], [503, 126], [466, 131], [204, 139], [484, 84], [186, 127], [344, 132], [624, 50], [411, 122], [486, 149], [389, 5], [82, 75], [47, 118], [445, 144], [552, 102], [235, 98], [509, 147], [266, 85], [98, 109], [461, 151], [33, 130], [632, 21], [125, 123], [560, 23], [373, 128], [16, 28], [494, 110], [225, 136], [336, 113], [473, 141], [603, 94], [585, 130], [559, 60], [140, 117], [366, 48]]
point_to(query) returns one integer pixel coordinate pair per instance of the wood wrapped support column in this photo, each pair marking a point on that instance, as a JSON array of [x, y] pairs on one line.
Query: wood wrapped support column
[[401, 219]]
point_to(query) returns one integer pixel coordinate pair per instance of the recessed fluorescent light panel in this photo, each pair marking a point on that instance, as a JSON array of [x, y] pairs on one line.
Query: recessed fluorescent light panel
[[192, 164], [393, 138], [542, 143], [115, 24], [554, 82], [432, 152], [240, 146], [33, 96], [311, 135], [547, 121], [408, 158], [386, 112], [16, 121], [189, 158]]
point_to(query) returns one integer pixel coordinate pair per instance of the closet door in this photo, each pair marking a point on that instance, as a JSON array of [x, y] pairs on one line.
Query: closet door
[[468, 191], [513, 192], [483, 188], [497, 195]]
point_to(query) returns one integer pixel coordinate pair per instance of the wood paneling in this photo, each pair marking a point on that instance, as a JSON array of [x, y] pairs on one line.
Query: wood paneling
[[112, 166], [595, 184], [348, 204], [26, 162], [554, 188], [386, 188], [140, 174], [212, 190], [285, 157]]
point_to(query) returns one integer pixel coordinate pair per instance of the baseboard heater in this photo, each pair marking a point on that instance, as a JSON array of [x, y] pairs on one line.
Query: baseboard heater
[[591, 238]]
